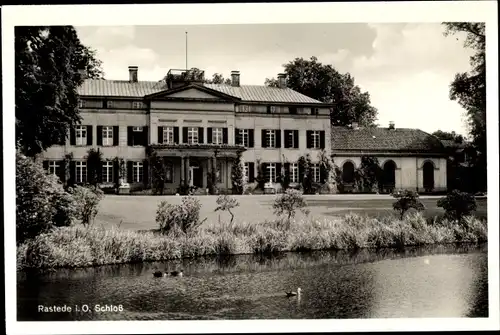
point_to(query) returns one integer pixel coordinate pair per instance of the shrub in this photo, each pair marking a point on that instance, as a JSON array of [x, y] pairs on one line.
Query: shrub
[[405, 200], [87, 201], [289, 202], [457, 204], [41, 201], [179, 218], [260, 179], [306, 174], [226, 203], [237, 176]]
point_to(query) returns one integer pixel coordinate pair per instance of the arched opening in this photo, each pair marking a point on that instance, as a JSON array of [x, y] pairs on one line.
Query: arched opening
[[348, 176], [389, 176], [428, 176]]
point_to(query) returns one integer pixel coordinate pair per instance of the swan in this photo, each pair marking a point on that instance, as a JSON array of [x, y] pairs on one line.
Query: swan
[[157, 274], [292, 294]]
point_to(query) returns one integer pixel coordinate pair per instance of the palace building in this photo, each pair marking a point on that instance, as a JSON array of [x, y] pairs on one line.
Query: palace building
[[198, 128]]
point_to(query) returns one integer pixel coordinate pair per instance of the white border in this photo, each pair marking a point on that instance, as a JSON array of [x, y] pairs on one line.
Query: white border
[[85, 15]]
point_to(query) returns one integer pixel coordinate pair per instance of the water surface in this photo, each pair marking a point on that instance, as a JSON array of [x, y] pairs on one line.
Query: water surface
[[439, 281]]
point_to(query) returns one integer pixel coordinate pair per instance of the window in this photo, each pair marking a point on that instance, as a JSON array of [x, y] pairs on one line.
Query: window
[[138, 129], [292, 110], [271, 172], [168, 135], [270, 138], [81, 135], [107, 135], [53, 167], [244, 140], [107, 172], [81, 172], [292, 139], [315, 173], [217, 135], [109, 104], [193, 135], [169, 173], [315, 136], [245, 108], [136, 104], [294, 173], [137, 172], [314, 111], [137, 136], [81, 104], [271, 109]]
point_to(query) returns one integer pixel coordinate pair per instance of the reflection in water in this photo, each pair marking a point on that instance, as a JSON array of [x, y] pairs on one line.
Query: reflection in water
[[416, 282]]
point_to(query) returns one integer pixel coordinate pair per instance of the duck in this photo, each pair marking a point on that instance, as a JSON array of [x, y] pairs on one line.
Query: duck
[[158, 274], [293, 294], [176, 273]]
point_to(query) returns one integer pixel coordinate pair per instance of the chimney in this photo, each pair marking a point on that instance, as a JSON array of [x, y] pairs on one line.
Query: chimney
[[354, 125], [83, 73], [132, 74], [235, 78], [282, 80], [391, 125]]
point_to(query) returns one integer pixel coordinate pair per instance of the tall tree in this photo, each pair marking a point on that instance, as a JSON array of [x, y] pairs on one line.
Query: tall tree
[[443, 135], [218, 78], [48, 60], [324, 83], [469, 89]]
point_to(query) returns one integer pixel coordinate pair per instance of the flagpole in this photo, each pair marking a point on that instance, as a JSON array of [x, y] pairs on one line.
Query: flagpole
[[186, 50]]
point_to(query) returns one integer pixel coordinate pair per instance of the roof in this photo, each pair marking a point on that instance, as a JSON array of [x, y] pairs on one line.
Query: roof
[[384, 139], [453, 144], [257, 93]]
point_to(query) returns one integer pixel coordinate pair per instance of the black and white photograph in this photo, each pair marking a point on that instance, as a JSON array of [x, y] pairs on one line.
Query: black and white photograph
[[251, 167]]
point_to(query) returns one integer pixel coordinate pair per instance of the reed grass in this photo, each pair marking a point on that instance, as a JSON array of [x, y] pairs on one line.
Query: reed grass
[[80, 246]]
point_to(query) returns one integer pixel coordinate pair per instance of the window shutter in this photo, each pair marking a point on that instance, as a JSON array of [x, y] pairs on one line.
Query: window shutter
[[308, 139], [209, 135], [62, 139], [286, 135], [160, 135], [129, 172], [322, 139], [145, 136], [200, 135], [251, 172], [116, 135], [45, 165], [99, 172], [116, 171], [130, 139], [184, 135], [237, 136], [176, 135], [321, 174], [251, 143], [287, 170], [277, 134], [278, 171], [263, 138], [72, 136], [296, 139], [264, 171], [72, 173], [61, 173], [224, 135], [89, 135], [99, 135], [145, 172]]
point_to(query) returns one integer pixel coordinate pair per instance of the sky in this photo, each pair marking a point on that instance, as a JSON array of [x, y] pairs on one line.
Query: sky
[[406, 68]]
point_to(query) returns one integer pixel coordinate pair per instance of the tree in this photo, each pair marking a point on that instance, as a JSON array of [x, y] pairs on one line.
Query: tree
[[326, 84], [469, 90], [306, 173], [218, 78], [405, 201], [369, 174], [48, 60], [94, 166], [443, 135]]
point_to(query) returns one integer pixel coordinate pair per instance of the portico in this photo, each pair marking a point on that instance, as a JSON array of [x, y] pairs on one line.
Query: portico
[[196, 164]]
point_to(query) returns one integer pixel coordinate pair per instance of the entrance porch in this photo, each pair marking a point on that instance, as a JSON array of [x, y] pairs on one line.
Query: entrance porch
[[198, 166]]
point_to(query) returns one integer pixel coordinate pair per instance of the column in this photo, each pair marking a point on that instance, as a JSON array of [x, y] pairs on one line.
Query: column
[[187, 170], [214, 167]]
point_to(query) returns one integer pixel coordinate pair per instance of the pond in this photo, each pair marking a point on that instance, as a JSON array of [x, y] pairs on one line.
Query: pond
[[437, 281]]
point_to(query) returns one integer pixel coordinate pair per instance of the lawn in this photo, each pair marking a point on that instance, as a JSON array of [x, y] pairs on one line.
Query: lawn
[[138, 212]]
